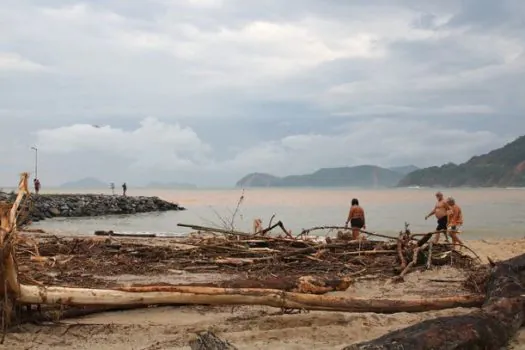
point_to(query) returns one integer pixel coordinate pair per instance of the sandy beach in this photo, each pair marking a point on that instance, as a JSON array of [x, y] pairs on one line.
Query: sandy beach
[[258, 327]]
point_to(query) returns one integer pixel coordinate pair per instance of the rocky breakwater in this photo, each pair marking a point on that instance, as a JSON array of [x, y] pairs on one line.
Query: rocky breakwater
[[45, 206]]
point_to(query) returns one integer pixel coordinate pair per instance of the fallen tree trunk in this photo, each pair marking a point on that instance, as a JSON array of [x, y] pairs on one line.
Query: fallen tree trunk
[[54, 315], [490, 328], [163, 295]]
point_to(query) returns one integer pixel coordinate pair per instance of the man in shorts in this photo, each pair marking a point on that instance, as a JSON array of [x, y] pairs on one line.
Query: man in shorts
[[441, 212], [356, 218]]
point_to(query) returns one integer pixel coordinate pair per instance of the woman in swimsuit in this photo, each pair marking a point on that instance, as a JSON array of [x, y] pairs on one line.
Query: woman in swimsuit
[[356, 218]]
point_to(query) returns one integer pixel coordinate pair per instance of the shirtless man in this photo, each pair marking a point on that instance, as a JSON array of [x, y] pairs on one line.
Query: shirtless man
[[441, 212], [356, 218]]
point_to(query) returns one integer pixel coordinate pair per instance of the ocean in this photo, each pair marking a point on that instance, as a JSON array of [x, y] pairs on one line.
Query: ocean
[[488, 213]]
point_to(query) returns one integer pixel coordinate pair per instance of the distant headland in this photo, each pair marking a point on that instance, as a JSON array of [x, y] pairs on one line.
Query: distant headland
[[358, 176], [502, 167]]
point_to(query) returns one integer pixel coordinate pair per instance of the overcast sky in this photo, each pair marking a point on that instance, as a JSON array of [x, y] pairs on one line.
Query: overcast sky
[[205, 91]]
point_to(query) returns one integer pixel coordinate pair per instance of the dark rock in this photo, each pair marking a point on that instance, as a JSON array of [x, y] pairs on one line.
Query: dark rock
[[81, 205], [53, 211]]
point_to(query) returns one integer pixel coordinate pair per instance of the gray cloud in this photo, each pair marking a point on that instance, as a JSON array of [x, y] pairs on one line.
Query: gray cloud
[[278, 86]]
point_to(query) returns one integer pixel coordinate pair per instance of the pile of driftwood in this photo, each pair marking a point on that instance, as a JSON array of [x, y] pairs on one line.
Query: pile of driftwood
[[280, 271], [255, 259], [389, 257]]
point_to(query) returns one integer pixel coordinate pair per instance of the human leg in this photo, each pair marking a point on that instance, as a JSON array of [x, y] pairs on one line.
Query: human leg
[[441, 227], [454, 233], [356, 224]]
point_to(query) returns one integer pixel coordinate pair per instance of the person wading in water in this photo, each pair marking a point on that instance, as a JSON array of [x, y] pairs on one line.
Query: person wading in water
[[441, 212], [356, 218]]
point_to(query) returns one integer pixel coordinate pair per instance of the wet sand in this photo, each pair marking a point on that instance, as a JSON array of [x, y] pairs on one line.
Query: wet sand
[[251, 327]]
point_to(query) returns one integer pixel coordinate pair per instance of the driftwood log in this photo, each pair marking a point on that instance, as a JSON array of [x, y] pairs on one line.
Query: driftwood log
[[119, 234], [163, 295], [302, 284], [490, 328]]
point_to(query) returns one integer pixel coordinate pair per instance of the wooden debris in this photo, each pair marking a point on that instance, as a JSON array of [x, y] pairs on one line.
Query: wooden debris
[[490, 328], [162, 295], [302, 284], [118, 234], [234, 261]]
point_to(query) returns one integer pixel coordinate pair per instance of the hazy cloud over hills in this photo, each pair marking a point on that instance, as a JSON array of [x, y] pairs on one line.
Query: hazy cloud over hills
[[208, 91]]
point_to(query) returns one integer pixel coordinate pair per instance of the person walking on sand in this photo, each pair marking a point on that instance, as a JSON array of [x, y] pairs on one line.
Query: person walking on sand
[[124, 189], [455, 221], [441, 212], [356, 218]]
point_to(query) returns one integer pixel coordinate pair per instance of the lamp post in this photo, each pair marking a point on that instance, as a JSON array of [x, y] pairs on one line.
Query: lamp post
[[36, 161]]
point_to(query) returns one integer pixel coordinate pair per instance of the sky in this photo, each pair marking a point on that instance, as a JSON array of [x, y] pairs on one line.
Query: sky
[[206, 91]]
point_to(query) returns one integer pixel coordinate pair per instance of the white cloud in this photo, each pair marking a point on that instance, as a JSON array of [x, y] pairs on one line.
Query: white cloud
[[385, 110], [380, 141], [206, 3], [157, 146], [153, 144], [12, 62]]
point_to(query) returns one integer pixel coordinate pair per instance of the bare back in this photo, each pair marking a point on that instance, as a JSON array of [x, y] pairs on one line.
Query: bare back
[[356, 212]]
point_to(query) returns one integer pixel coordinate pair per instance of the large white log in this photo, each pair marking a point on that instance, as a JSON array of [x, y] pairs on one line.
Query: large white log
[[235, 296]]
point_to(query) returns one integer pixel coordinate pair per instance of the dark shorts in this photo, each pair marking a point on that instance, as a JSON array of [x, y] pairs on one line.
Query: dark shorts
[[357, 223], [442, 224]]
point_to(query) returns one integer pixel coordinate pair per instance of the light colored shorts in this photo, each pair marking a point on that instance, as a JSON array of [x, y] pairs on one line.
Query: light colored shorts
[[455, 229]]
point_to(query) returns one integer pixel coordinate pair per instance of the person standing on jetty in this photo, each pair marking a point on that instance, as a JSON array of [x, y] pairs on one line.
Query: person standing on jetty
[[356, 218], [124, 189], [441, 212], [36, 183], [455, 220]]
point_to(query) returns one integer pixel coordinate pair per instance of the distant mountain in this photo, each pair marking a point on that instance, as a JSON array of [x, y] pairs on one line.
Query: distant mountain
[[172, 185], [405, 170], [258, 180], [357, 176], [88, 182], [502, 167]]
